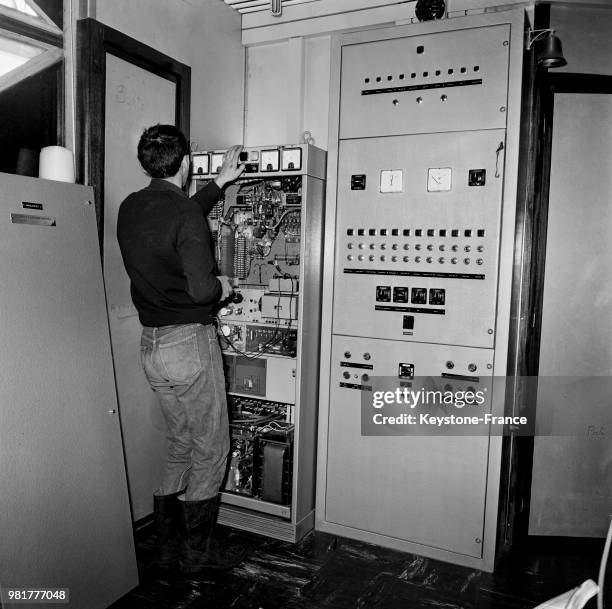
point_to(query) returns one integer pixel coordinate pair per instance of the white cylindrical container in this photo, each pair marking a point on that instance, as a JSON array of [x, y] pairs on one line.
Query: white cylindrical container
[[56, 163]]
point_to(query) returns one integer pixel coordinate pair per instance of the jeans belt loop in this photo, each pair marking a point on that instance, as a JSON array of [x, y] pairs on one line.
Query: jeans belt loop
[[154, 337]]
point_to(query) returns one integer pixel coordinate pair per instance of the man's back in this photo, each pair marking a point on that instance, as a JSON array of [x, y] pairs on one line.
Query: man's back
[[167, 251]]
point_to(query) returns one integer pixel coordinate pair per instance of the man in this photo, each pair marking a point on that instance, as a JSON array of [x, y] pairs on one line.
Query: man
[[167, 252]]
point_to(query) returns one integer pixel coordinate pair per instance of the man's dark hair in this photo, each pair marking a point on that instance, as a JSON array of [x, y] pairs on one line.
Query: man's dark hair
[[161, 149]]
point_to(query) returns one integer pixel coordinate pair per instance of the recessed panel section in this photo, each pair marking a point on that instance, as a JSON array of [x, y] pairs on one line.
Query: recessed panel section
[[422, 482], [200, 164], [389, 88], [419, 265]]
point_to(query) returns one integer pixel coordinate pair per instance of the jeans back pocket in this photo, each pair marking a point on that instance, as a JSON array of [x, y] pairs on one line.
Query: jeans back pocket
[[181, 359]]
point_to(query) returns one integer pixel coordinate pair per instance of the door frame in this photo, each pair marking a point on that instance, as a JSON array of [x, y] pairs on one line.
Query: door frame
[[94, 41], [528, 289]]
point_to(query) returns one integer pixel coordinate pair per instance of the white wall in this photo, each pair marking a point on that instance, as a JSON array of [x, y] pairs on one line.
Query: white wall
[[205, 35], [586, 35]]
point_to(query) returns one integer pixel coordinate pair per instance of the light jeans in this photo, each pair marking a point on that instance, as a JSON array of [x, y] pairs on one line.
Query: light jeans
[[184, 367]]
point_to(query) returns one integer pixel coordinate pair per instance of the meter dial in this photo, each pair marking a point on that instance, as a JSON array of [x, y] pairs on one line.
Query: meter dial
[[291, 159], [200, 164], [216, 161], [269, 160]]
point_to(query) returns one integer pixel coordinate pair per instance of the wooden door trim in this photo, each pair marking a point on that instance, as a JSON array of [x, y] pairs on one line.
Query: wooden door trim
[[94, 41]]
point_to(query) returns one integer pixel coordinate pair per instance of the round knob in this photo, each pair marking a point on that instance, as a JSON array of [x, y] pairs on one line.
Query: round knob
[[393, 258], [371, 258], [372, 246], [467, 248], [224, 311], [383, 246], [346, 375], [367, 357], [466, 260], [455, 248], [453, 260], [406, 259], [429, 259], [430, 247], [382, 258], [441, 259], [225, 330], [417, 247], [347, 355], [479, 261], [349, 245], [450, 364], [361, 246], [394, 246], [417, 259], [360, 257], [406, 246], [442, 248], [480, 248], [365, 377], [472, 367], [349, 257]]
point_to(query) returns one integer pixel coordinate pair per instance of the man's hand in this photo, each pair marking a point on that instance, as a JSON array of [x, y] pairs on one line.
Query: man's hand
[[231, 168], [226, 287]]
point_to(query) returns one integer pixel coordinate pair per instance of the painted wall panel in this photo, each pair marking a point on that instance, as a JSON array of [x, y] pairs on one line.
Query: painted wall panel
[[205, 35], [572, 475]]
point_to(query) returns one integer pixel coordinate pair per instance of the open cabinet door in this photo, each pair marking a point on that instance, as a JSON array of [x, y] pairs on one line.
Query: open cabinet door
[[64, 508]]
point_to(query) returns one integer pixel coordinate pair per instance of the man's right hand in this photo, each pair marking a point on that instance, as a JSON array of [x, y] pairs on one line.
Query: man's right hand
[[226, 287]]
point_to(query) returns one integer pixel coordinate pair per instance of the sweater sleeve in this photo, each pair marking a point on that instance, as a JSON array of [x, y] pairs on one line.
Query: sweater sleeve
[[195, 250], [207, 197]]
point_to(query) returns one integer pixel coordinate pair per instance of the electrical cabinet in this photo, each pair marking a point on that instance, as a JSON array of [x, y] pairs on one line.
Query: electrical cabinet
[[267, 233], [420, 225]]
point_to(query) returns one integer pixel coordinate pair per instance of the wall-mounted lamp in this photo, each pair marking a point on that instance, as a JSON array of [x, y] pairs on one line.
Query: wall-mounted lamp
[[549, 50], [276, 7]]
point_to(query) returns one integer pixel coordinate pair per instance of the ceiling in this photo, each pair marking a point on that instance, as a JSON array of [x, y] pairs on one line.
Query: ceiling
[[253, 6]]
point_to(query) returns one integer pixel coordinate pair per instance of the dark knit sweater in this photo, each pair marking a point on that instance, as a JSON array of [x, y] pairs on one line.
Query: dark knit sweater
[[167, 251]]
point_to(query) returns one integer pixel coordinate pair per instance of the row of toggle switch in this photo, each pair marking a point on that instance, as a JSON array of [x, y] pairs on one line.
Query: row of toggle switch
[[430, 247], [417, 259], [417, 232]]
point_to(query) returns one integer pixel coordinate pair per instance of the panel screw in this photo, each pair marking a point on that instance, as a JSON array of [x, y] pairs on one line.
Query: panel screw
[[396, 102], [419, 100], [502, 109], [506, 43], [477, 540], [489, 366], [489, 331]]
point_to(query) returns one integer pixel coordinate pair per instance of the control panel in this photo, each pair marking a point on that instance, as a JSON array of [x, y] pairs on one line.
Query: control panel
[[420, 226], [266, 232], [417, 246]]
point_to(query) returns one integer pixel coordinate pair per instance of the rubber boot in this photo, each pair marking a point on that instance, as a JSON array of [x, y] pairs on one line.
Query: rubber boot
[[167, 513], [199, 550]]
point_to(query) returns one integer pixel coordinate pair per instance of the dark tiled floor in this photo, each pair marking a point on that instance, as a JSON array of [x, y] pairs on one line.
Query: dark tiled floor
[[326, 572]]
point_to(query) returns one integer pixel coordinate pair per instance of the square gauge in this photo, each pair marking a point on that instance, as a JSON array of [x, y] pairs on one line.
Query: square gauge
[[269, 160], [439, 179], [200, 164], [391, 180], [291, 159], [216, 160]]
